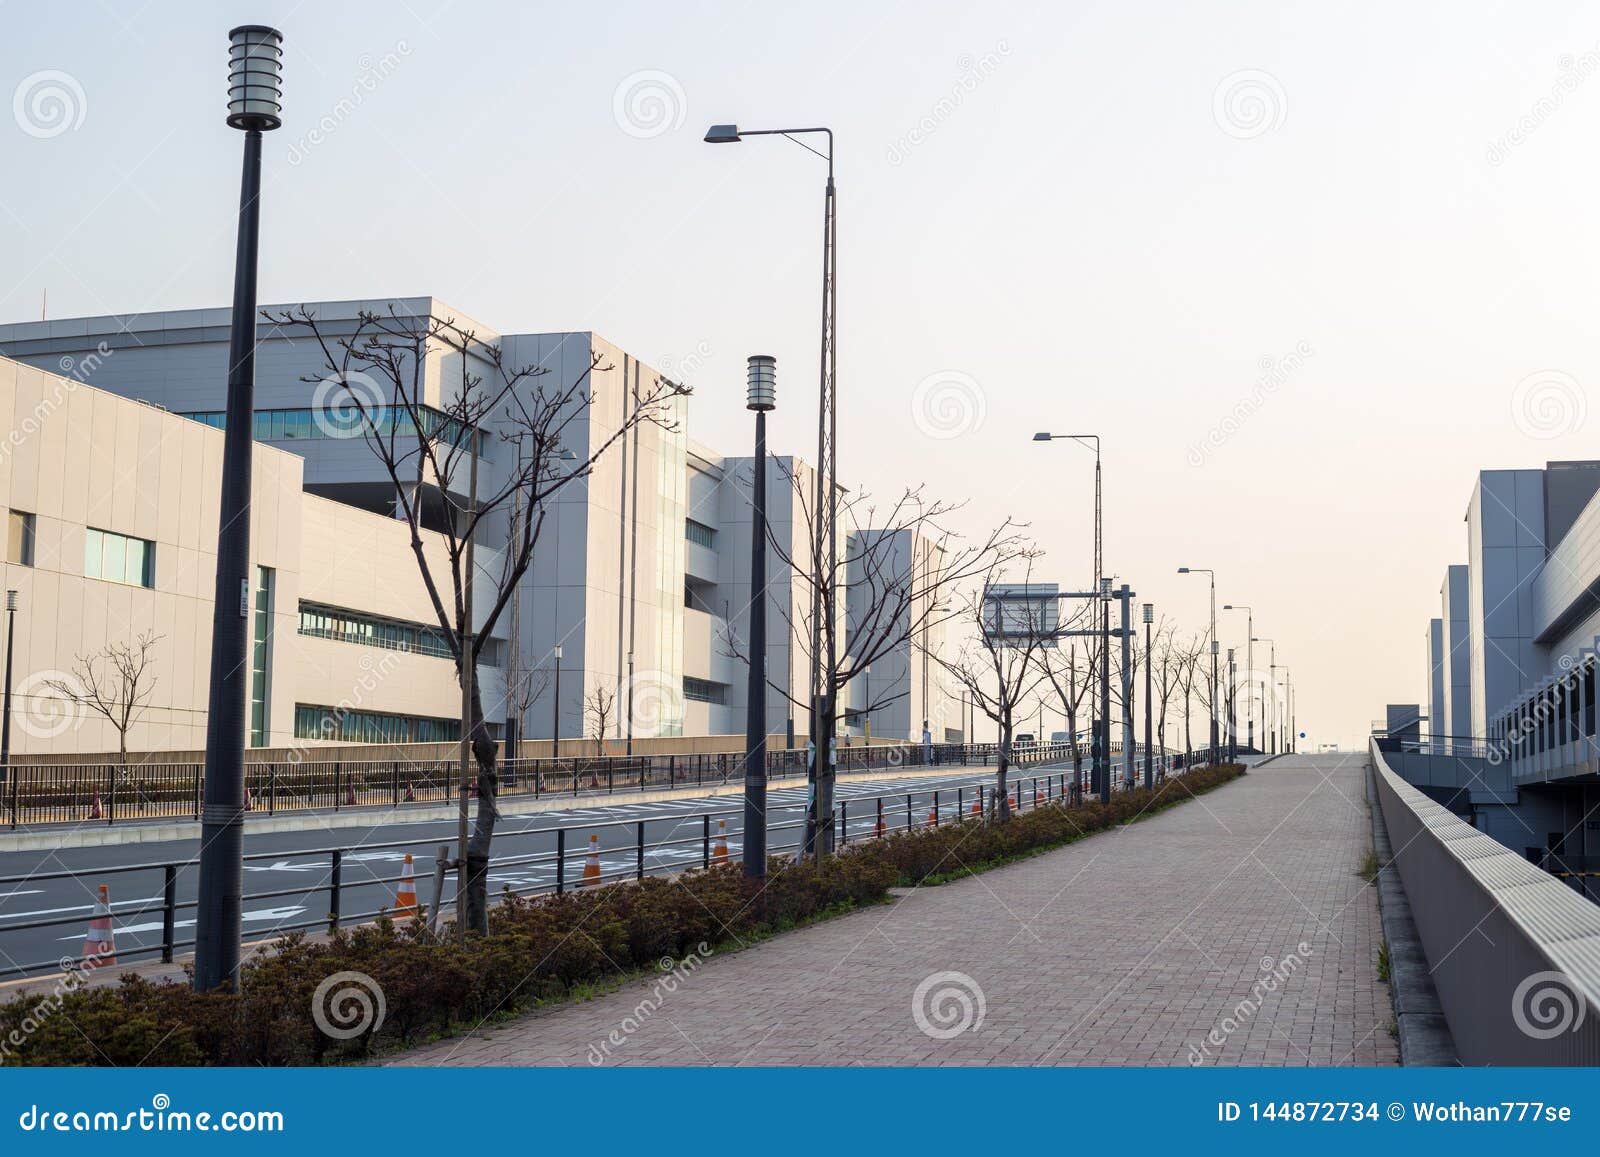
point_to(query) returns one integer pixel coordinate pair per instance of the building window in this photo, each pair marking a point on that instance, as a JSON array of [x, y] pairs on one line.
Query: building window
[[261, 657], [699, 533], [704, 690], [297, 425], [337, 724], [19, 539], [347, 626], [119, 558]]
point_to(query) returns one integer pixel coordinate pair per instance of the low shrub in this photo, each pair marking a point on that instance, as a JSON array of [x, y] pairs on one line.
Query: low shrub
[[538, 949]]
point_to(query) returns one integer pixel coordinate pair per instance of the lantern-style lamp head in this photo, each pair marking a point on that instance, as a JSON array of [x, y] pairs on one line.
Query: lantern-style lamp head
[[761, 386], [255, 77], [1149, 612]]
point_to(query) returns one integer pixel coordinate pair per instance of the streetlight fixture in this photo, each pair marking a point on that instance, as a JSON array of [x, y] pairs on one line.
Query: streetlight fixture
[[555, 710], [1149, 614], [824, 649], [1215, 739], [5, 725], [761, 395], [255, 106], [1104, 587], [1250, 667], [1271, 728]]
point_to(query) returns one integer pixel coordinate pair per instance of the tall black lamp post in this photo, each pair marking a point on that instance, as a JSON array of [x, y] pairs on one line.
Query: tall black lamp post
[[824, 603], [1149, 615], [1249, 674], [555, 710], [255, 105], [761, 395]]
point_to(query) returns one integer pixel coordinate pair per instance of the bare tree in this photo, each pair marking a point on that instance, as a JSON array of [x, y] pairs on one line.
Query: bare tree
[[1166, 675], [1073, 685], [1190, 680], [899, 565], [382, 373], [114, 682], [597, 706], [999, 671]]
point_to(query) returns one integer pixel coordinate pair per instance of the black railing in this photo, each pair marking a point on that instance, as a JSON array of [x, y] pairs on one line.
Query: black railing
[[347, 872], [35, 794]]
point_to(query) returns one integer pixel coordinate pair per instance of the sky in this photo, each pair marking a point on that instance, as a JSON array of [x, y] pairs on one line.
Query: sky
[[1305, 268]]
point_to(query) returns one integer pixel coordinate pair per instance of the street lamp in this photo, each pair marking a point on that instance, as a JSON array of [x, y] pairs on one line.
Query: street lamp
[[255, 91], [555, 710], [761, 395], [5, 725], [1289, 735], [1213, 576], [1272, 682], [1250, 667], [824, 650], [1104, 587], [1149, 614], [1233, 718]]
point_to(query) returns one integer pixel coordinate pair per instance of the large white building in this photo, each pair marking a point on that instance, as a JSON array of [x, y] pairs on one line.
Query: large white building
[[640, 578]]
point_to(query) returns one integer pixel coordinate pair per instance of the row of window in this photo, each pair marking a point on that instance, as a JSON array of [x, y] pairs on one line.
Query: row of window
[[344, 626], [119, 558], [704, 690], [296, 424], [337, 724], [699, 533]]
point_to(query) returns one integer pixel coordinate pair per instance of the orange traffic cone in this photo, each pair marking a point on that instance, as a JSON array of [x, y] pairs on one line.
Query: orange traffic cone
[[94, 809], [405, 896], [100, 945], [719, 850], [977, 804], [591, 866], [1011, 800], [933, 817]]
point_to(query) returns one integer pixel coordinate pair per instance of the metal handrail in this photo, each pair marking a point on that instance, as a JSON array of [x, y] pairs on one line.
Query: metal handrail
[[886, 805]]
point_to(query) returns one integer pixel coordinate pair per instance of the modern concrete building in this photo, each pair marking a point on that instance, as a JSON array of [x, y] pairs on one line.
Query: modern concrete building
[[1436, 681], [639, 582], [1458, 654]]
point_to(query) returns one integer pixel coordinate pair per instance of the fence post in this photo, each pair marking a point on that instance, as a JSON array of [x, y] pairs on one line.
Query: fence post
[[644, 766], [561, 860], [272, 789], [111, 794], [169, 910], [844, 822], [199, 772], [641, 850], [611, 776], [394, 784], [334, 890], [961, 807], [935, 809], [14, 775], [705, 841], [338, 784]]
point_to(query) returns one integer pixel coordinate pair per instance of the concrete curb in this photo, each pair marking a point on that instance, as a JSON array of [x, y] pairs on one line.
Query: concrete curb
[[49, 840], [1425, 1038]]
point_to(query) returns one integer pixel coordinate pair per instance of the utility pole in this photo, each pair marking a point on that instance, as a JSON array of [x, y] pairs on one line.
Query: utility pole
[[1149, 701], [1125, 596], [1103, 764], [761, 396], [468, 673]]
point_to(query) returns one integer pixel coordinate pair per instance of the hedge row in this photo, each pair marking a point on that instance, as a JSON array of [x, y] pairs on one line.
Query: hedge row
[[538, 949]]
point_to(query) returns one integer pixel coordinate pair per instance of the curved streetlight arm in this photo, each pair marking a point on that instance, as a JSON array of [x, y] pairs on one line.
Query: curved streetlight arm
[[732, 134]]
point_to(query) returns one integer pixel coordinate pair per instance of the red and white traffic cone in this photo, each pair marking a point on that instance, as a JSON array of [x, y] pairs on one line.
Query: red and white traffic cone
[[933, 817], [719, 850], [977, 803], [100, 945], [591, 866], [405, 896]]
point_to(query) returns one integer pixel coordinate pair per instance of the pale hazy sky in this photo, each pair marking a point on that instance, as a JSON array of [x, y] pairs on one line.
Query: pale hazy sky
[[1100, 217]]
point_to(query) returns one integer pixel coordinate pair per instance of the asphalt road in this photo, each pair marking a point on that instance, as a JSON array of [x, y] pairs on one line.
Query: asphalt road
[[288, 874]]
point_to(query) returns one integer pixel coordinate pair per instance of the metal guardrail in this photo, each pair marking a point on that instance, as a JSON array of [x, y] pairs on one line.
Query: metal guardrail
[[1513, 951], [888, 811], [34, 794]]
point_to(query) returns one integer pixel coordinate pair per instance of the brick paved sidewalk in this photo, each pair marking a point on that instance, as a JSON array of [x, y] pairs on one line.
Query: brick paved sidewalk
[[1173, 941]]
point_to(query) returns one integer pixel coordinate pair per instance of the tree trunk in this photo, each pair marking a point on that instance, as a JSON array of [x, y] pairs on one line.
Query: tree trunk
[[481, 838], [1002, 765]]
